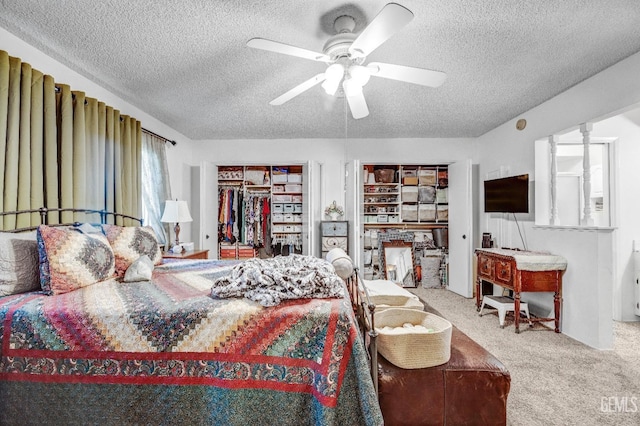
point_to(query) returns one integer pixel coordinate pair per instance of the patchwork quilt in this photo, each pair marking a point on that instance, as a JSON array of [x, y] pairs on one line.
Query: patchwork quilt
[[166, 352]]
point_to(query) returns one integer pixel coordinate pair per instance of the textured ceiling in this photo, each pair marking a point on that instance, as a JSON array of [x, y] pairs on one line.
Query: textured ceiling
[[185, 62]]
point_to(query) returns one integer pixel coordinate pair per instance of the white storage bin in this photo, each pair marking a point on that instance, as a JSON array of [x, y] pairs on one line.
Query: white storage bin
[[427, 212], [442, 195], [293, 187], [427, 177], [279, 178], [287, 208], [427, 194], [294, 178], [296, 198], [281, 198], [409, 213], [442, 213], [254, 177], [277, 228], [288, 217], [297, 208], [277, 217], [278, 188], [409, 194], [278, 208]]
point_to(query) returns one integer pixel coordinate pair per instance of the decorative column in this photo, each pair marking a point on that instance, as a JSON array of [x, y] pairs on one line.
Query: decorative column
[[553, 142], [586, 129]]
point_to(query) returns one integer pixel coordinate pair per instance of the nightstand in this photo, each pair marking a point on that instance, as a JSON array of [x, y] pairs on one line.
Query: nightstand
[[335, 234], [190, 254]]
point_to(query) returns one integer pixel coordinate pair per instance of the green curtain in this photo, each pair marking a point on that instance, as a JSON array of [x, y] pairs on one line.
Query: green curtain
[[60, 148], [25, 116]]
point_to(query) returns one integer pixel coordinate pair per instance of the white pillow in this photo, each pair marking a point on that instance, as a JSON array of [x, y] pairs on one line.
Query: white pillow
[[19, 271], [341, 262], [140, 270]]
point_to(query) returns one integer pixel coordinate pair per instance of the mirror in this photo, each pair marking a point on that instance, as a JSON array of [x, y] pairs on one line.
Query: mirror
[[397, 261]]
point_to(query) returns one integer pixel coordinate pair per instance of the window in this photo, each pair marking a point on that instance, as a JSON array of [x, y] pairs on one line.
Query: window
[[578, 192], [155, 184]]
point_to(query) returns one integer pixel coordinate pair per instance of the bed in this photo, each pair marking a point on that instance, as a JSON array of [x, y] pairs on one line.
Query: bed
[[169, 350]]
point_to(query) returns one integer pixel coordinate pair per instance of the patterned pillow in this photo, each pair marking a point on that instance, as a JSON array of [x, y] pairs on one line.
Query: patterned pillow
[[70, 259], [131, 242], [18, 263]]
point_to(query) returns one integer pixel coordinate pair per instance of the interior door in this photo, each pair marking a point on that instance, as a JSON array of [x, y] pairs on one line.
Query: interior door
[[311, 181], [460, 228], [208, 232], [353, 207]]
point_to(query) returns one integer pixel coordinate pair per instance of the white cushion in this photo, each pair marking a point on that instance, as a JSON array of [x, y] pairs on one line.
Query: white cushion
[[341, 262], [19, 271]]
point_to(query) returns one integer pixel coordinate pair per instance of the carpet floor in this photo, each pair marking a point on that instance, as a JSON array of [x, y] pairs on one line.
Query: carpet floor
[[555, 380]]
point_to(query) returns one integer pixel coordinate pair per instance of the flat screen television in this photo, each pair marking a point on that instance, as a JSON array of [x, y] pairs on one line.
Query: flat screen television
[[507, 195]]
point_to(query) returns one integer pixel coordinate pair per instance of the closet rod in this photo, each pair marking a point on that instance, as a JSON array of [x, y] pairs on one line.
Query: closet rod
[[174, 143]]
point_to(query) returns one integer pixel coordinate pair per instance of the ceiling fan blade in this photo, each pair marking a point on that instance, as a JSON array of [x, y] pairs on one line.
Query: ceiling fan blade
[[275, 46], [413, 75], [300, 88], [358, 105], [391, 19]]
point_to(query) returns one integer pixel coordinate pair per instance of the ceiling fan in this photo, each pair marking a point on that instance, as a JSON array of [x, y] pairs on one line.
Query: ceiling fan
[[345, 53]]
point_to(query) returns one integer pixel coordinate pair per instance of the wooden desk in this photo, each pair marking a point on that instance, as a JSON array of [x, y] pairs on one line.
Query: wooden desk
[[190, 254], [522, 271]]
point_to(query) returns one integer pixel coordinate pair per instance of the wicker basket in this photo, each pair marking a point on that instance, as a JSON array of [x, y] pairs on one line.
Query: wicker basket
[[413, 350]]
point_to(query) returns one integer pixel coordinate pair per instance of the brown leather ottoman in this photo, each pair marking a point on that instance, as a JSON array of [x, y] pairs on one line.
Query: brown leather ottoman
[[470, 389]]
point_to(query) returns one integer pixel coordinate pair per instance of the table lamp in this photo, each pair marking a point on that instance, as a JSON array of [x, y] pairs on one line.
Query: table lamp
[[176, 212]]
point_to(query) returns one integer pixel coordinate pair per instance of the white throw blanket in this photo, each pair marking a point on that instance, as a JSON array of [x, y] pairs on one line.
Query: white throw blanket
[[270, 281]]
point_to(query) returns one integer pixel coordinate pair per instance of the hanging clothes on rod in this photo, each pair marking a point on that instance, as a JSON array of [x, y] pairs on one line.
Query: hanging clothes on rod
[[256, 219], [229, 214]]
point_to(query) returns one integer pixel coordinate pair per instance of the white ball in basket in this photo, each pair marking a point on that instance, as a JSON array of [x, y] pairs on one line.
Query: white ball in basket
[[341, 262]]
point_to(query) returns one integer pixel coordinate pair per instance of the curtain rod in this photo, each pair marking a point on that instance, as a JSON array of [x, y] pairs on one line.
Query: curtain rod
[[174, 143]]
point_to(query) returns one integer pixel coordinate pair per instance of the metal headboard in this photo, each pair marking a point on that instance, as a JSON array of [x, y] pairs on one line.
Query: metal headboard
[[43, 212], [364, 310]]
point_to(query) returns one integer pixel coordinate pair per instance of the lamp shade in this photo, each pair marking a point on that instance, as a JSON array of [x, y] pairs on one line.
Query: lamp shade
[[176, 211]]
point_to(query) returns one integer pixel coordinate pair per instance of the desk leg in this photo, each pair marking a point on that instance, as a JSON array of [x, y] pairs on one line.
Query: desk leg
[[556, 307], [478, 291], [516, 311]]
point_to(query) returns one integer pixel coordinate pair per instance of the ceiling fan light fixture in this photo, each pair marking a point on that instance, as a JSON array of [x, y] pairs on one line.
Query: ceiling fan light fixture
[[333, 76], [359, 74]]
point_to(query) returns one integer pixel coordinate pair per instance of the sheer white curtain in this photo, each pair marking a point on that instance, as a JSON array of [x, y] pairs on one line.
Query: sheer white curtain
[[156, 188]]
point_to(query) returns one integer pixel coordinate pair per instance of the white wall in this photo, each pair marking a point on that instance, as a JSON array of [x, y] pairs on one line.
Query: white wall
[[332, 154], [178, 167], [626, 127], [589, 281]]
